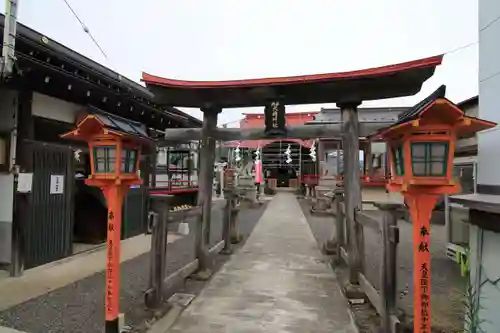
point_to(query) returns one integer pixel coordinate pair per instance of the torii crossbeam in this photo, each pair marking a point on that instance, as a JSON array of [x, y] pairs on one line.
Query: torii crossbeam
[[296, 132]]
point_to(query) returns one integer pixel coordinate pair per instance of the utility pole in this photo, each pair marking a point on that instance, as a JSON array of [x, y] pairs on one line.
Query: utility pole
[[9, 39]]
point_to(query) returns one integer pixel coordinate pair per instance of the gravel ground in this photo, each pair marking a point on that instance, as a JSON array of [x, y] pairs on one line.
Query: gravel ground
[[79, 307], [447, 284]]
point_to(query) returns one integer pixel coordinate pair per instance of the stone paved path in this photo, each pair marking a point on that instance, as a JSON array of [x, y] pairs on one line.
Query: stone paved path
[[276, 283]]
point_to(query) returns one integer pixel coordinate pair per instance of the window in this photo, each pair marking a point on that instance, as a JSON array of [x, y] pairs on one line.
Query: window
[[429, 158], [179, 167], [129, 160], [161, 157], [104, 159], [397, 153], [465, 174]]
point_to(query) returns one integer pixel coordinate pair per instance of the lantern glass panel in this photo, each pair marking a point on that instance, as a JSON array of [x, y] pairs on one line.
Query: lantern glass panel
[[429, 159], [104, 159], [129, 160], [133, 160], [397, 153]]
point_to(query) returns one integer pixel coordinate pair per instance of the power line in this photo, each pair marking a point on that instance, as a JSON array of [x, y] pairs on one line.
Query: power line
[[85, 29], [489, 24], [460, 48], [477, 41], [489, 77]]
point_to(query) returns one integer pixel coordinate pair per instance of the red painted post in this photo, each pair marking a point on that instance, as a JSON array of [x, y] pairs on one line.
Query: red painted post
[[421, 206], [114, 195], [114, 160]]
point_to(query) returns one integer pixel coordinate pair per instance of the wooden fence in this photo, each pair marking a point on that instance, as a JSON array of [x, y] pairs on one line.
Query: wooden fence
[[160, 285], [347, 244]]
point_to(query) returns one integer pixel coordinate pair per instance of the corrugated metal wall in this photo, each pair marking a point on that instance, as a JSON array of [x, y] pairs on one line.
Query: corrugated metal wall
[[48, 230], [133, 207]]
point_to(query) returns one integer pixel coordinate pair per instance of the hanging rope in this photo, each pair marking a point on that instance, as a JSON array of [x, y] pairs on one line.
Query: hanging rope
[[237, 156], [312, 151], [288, 154]]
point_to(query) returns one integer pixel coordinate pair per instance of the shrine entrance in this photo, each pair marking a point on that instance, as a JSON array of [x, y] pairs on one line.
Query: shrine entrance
[[283, 176], [347, 90], [278, 169]]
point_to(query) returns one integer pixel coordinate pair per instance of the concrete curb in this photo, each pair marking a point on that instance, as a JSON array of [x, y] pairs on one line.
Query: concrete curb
[[43, 279], [9, 330], [353, 320], [165, 323]]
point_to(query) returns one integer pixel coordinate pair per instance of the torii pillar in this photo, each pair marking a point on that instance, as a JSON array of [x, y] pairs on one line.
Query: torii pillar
[[205, 181], [352, 186]]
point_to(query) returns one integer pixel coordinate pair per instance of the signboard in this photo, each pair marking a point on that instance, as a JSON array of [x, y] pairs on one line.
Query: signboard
[[56, 184], [274, 115], [24, 182]]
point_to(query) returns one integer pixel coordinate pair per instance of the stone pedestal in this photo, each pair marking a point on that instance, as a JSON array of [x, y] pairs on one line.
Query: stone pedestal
[[246, 187], [246, 181]]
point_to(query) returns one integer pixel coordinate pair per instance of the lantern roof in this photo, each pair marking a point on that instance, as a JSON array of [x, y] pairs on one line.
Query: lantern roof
[[98, 122], [119, 123], [435, 109]]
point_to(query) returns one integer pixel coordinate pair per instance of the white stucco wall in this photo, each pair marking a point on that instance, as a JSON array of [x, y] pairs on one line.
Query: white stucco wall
[[485, 272], [489, 90], [52, 108], [485, 245]]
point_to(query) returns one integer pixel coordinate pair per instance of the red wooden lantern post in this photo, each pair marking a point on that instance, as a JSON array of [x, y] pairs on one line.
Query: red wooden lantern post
[[114, 160], [422, 146]]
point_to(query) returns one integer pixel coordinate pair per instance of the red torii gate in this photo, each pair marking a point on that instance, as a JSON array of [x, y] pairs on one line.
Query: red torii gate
[[347, 89]]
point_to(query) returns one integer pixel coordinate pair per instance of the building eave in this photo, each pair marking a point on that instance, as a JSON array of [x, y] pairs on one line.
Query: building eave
[[368, 114], [37, 52]]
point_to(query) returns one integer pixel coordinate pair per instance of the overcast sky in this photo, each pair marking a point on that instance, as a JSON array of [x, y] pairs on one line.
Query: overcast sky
[[236, 39]]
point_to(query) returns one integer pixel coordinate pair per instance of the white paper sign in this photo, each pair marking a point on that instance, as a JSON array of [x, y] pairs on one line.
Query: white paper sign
[[56, 184], [24, 182]]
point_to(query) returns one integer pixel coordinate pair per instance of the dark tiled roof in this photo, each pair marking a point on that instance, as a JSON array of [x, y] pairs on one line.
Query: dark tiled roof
[[382, 114], [120, 124], [415, 111], [468, 102]]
